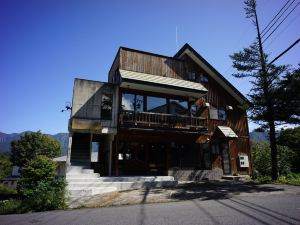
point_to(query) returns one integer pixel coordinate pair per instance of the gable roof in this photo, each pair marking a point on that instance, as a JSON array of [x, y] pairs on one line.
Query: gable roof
[[187, 49]]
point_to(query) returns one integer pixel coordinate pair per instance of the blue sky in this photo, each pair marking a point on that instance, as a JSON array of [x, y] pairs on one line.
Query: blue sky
[[44, 45]]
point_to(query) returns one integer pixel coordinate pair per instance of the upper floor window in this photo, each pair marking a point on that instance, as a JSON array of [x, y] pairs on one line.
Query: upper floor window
[[217, 114], [192, 75], [128, 101], [106, 106], [132, 102], [178, 107], [203, 78], [221, 114], [156, 104]]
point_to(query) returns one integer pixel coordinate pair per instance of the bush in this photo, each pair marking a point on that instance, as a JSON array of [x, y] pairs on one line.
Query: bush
[[262, 160], [7, 192], [5, 166], [293, 178], [39, 187], [263, 179], [10, 206], [282, 180]]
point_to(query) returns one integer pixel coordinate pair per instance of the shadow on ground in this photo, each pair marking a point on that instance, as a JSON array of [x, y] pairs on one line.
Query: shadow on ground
[[218, 190]]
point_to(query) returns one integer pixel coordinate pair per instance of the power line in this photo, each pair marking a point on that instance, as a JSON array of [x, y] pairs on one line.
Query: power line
[[281, 32], [281, 22], [285, 51], [276, 16]]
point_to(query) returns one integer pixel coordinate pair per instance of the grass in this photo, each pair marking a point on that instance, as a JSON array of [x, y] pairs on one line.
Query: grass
[[291, 179], [11, 206], [7, 192]]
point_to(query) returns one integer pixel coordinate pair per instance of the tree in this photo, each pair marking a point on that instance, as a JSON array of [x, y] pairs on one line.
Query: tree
[[291, 139], [252, 62], [39, 187], [262, 159], [32, 145], [5, 166], [287, 96]]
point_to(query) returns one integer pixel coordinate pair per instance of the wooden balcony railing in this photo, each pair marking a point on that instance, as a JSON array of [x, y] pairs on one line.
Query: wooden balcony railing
[[161, 120]]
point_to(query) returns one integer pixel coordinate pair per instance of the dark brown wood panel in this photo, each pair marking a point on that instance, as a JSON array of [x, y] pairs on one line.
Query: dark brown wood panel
[[152, 64]]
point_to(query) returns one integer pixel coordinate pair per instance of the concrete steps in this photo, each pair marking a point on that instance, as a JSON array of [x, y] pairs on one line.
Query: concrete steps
[[84, 182]]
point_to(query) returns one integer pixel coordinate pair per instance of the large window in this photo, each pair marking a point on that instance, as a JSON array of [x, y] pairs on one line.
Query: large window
[[139, 103], [128, 101], [178, 107], [156, 104], [132, 102], [106, 106]]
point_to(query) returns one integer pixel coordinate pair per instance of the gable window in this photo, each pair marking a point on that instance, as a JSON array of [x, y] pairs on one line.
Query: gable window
[[192, 75], [203, 78]]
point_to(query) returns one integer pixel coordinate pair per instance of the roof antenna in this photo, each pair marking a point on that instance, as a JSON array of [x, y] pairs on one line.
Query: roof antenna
[[176, 39]]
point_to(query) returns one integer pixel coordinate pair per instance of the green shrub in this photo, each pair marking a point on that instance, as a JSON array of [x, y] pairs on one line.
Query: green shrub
[[262, 160], [39, 187], [10, 206], [263, 179], [282, 180], [5, 166], [293, 178], [7, 192]]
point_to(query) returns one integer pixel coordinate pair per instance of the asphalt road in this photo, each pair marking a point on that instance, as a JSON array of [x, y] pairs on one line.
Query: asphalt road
[[255, 209]]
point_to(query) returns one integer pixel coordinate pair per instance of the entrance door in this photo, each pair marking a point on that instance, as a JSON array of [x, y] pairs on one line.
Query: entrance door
[[225, 157]]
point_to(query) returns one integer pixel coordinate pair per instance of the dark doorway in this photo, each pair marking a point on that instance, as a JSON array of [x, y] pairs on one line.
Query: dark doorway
[[136, 159], [225, 158]]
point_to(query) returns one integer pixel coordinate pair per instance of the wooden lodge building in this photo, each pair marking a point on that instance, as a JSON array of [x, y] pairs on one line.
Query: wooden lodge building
[[160, 115]]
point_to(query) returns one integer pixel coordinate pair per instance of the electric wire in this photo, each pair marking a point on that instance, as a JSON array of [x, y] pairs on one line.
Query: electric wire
[[281, 22], [264, 33], [275, 16]]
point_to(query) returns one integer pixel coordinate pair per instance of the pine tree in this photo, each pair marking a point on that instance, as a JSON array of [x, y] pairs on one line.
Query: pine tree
[[252, 62]]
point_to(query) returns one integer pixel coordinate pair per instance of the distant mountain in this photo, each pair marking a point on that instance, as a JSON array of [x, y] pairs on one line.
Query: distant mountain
[[6, 139], [259, 136]]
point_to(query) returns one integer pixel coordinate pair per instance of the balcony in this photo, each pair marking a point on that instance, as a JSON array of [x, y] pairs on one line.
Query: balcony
[[161, 121]]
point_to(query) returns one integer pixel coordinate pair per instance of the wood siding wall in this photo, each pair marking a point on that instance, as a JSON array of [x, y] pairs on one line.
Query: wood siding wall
[[152, 64], [218, 97]]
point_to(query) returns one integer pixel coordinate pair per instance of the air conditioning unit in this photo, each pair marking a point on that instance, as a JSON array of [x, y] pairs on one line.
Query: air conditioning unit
[[244, 161]]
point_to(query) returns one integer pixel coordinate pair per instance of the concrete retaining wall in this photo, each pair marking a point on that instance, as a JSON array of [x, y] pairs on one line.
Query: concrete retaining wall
[[194, 175]]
